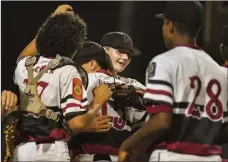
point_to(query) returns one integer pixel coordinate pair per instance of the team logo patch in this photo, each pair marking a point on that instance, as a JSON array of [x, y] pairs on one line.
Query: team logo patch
[[77, 89], [151, 69]]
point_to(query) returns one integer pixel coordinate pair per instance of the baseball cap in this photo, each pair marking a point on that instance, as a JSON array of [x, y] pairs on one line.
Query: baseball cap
[[224, 36], [120, 41], [91, 51], [184, 11]]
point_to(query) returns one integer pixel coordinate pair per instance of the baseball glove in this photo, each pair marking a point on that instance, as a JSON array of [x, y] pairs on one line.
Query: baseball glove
[[9, 127], [126, 96]]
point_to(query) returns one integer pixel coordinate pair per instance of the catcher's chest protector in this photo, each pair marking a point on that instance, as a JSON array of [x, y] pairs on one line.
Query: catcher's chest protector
[[30, 100]]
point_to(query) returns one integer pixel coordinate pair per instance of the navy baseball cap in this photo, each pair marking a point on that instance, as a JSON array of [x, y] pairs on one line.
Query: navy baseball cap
[[91, 51], [183, 11], [224, 36], [120, 41]]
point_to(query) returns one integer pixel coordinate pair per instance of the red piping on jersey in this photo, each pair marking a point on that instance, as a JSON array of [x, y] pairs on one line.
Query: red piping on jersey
[[158, 109], [188, 45], [192, 148], [225, 65], [104, 72]]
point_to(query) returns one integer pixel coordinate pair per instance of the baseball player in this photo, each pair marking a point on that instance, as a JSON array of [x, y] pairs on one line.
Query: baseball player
[[185, 94], [103, 146], [59, 90], [224, 53], [119, 47]]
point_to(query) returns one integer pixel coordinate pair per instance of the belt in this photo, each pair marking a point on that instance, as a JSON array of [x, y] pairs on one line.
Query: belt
[[42, 142], [98, 157]]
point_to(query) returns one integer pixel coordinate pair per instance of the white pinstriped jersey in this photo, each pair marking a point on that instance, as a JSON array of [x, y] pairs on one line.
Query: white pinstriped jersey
[[95, 79], [124, 120], [188, 83], [55, 88]]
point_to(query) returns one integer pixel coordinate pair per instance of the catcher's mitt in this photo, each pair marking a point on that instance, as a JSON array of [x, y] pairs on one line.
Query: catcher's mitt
[[126, 95], [9, 127]]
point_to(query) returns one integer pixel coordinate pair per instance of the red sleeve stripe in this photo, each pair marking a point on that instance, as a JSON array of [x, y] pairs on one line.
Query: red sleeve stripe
[[71, 105], [160, 82], [158, 109], [159, 92]]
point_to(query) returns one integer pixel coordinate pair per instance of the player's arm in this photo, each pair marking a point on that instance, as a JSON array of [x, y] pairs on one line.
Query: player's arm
[[74, 104], [30, 49], [133, 82], [159, 101], [8, 101]]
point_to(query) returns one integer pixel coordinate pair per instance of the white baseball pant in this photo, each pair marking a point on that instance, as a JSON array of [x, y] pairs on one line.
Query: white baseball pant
[[90, 158], [165, 155], [30, 151]]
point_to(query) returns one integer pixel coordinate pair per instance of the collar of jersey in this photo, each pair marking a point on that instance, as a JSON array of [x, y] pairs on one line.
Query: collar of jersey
[[104, 72], [188, 45], [226, 66]]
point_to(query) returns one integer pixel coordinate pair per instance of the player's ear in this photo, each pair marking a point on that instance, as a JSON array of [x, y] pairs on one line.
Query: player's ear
[[171, 26], [93, 65]]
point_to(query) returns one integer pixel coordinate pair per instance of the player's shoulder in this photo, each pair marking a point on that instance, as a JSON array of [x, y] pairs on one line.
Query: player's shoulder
[[173, 54], [165, 58], [21, 61], [103, 77], [67, 70]]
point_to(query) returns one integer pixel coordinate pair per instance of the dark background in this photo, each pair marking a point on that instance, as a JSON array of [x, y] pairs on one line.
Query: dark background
[[21, 20]]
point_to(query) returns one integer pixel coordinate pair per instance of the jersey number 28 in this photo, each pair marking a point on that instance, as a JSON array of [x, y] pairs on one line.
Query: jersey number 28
[[213, 107]]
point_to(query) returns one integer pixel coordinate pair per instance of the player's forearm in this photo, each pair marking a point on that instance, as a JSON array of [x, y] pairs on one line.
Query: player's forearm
[[79, 123], [153, 129], [29, 50]]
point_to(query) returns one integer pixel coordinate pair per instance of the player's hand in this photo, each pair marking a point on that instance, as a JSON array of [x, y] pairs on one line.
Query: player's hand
[[124, 156], [101, 94], [99, 124], [9, 101], [63, 9], [140, 91]]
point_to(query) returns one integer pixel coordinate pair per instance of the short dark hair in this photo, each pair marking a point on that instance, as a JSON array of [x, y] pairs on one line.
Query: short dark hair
[[62, 34], [191, 30]]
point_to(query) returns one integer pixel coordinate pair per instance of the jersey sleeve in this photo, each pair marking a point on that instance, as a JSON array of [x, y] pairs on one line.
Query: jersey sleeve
[[159, 85], [73, 95], [133, 82], [19, 67]]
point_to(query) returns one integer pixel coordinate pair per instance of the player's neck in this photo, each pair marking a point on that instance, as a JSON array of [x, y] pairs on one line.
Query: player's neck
[[184, 41], [113, 73]]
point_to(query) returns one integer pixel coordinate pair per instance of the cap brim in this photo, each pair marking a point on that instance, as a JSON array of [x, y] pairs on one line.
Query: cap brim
[[134, 51], [160, 16]]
